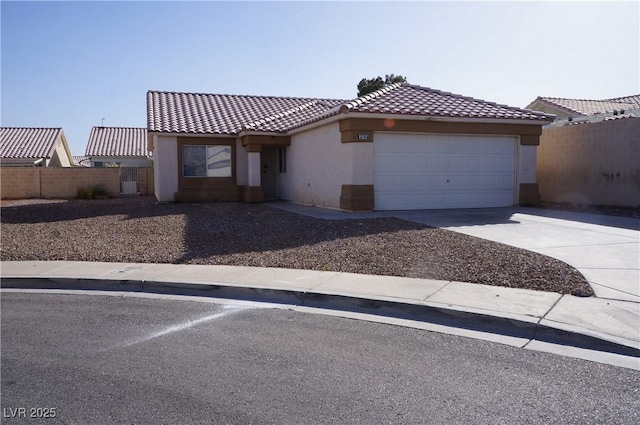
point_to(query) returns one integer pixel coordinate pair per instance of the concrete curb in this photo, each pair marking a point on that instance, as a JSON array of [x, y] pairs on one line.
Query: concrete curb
[[434, 313]]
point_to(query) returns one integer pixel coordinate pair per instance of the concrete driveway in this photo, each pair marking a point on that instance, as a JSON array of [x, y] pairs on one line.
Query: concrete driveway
[[605, 249]]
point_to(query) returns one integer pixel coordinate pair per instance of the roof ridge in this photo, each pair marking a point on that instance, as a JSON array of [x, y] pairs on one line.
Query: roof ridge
[[282, 114], [475, 99], [106, 126], [369, 96], [244, 95], [31, 128]]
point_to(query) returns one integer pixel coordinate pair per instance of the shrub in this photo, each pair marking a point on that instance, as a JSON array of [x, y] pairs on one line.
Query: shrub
[[92, 192]]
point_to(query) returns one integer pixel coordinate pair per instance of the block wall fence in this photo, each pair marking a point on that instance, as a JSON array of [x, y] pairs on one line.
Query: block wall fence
[[63, 183], [591, 164]]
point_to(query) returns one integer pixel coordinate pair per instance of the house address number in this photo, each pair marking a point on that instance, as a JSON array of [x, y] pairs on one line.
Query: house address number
[[363, 136]]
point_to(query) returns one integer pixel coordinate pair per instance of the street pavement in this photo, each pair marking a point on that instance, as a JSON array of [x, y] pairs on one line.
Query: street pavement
[[89, 358]]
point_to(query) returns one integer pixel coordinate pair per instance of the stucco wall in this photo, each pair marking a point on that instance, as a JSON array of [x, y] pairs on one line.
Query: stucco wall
[[318, 164], [591, 164], [526, 171], [60, 157], [165, 164]]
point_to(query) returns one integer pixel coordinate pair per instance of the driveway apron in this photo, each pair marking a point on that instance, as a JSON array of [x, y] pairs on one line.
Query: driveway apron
[[605, 249]]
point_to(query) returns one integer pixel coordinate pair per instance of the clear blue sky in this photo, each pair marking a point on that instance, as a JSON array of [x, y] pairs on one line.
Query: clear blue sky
[[69, 64]]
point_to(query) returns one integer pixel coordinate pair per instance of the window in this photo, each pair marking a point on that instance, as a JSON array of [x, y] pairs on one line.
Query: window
[[206, 161], [282, 159]]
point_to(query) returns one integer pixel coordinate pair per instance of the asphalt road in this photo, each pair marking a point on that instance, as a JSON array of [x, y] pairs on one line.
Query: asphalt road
[[111, 360]]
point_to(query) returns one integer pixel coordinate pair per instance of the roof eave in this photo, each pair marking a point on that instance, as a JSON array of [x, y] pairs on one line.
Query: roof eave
[[554, 105], [185, 134], [541, 121]]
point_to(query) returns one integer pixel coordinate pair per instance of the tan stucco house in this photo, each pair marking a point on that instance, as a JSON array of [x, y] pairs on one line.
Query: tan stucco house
[[34, 147], [118, 146], [401, 147]]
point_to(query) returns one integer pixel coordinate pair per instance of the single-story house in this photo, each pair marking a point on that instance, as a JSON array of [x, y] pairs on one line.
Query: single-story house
[[118, 146], [82, 161], [570, 109], [34, 147], [401, 147]]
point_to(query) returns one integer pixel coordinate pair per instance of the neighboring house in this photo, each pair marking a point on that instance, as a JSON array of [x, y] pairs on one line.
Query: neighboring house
[[118, 146], [591, 154], [82, 161], [34, 147], [401, 147], [571, 109]]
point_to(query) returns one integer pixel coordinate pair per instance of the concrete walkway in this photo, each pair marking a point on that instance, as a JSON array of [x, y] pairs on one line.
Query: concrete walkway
[[514, 316], [605, 249]]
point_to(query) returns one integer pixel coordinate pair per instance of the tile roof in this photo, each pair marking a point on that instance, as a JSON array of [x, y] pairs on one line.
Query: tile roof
[[117, 141], [226, 114], [27, 142], [173, 112], [592, 106], [82, 161]]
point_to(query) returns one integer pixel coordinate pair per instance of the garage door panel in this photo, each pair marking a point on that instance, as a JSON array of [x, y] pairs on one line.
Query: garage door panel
[[443, 171], [394, 201], [430, 182], [481, 181], [505, 164], [504, 181]]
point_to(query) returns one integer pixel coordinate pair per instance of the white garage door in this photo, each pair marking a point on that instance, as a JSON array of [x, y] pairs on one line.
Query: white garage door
[[443, 171]]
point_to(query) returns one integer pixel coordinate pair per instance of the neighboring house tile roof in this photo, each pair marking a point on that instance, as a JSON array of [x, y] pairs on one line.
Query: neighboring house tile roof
[[23, 142], [578, 107], [172, 112], [82, 161], [117, 142]]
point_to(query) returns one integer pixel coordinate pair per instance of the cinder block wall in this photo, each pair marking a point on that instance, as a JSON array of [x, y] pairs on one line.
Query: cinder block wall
[[591, 164], [19, 183], [146, 181], [63, 183]]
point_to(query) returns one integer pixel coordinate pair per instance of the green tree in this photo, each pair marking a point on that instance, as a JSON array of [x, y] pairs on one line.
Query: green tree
[[366, 86]]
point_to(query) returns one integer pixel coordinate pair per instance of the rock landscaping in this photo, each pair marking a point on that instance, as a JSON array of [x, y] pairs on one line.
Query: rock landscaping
[[142, 230]]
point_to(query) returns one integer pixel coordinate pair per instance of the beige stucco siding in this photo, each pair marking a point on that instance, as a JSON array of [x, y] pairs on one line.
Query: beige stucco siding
[[165, 157], [318, 164], [526, 169], [60, 156]]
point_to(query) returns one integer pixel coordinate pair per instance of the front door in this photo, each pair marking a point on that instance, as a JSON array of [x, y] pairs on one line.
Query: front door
[[269, 162]]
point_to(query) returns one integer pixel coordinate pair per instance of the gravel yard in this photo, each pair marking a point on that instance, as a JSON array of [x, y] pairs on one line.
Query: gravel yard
[[142, 230]]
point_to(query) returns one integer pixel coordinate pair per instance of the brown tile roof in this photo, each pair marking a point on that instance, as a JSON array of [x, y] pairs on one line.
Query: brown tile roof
[[24, 142], [225, 114], [117, 141], [591, 106], [172, 112]]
